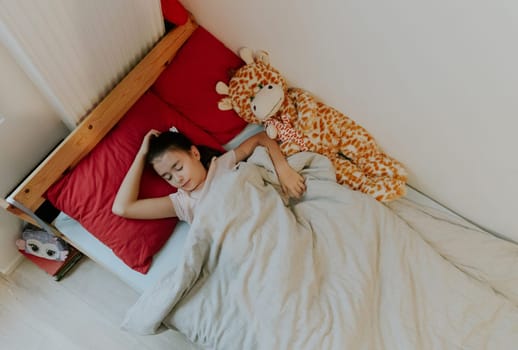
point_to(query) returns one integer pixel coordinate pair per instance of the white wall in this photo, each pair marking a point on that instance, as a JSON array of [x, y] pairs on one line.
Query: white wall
[[30, 129], [76, 51], [434, 81]]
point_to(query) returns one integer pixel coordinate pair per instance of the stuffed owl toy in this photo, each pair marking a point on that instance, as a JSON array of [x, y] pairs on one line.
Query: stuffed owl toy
[[259, 94], [40, 243]]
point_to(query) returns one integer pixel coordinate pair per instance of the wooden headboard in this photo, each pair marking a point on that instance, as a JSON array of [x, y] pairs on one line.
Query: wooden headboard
[[29, 194]]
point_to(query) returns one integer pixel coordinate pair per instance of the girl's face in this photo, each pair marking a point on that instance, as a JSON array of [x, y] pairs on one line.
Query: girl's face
[[181, 169]]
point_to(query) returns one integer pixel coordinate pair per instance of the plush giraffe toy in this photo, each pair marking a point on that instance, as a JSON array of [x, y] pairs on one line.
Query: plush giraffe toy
[[259, 94]]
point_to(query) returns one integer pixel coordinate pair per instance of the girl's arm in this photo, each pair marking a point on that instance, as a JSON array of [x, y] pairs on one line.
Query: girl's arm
[[127, 204], [292, 182]]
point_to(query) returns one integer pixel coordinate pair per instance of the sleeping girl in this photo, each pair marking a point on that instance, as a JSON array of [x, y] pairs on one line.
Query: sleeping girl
[[191, 169]]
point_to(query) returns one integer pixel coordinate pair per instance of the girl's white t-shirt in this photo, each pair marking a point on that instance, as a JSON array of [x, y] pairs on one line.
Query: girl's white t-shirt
[[185, 202]]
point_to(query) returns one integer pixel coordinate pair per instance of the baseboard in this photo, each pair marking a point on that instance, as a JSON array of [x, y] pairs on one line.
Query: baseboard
[[12, 266]]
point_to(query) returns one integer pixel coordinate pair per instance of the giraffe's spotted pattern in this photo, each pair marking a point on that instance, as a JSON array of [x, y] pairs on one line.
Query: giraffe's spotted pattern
[[308, 124]]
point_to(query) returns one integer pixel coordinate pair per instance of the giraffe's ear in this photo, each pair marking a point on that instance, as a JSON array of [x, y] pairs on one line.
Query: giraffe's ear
[[222, 88], [246, 54], [225, 104], [262, 56]]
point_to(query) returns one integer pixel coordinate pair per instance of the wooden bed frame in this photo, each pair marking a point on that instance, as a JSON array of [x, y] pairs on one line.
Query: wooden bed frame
[[25, 200]]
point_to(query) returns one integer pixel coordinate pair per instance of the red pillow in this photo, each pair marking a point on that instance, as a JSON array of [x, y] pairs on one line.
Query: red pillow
[[87, 192], [189, 84]]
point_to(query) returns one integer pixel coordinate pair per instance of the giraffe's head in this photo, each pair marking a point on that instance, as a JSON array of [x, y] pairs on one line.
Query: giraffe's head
[[256, 91]]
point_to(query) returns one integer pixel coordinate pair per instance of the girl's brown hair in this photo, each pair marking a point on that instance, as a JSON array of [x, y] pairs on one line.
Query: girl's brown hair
[[170, 140]]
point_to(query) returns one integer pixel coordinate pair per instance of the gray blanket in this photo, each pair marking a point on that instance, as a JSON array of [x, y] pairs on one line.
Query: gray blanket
[[335, 270]]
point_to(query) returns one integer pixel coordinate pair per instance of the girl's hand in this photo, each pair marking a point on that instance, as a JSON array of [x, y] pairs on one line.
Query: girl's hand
[[144, 147], [292, 183]]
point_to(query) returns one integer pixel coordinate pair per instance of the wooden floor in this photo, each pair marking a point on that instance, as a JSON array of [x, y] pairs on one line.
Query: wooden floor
[[82, 311]]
